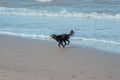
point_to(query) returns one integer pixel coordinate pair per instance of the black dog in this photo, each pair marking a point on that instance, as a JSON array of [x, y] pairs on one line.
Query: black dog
[[62, 38]]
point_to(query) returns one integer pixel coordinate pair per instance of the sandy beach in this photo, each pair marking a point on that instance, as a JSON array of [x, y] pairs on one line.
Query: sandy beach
[[28, 59]]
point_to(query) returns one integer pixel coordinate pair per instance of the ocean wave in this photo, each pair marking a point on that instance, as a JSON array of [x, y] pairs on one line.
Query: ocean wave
[[32, 36], [44, 0], [92, 29], [7, 29], [110, 42], [61, 13]]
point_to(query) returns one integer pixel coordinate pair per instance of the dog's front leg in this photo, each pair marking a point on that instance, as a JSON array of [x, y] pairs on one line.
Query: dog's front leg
[[65, 43], [59, 44], [68, 42]]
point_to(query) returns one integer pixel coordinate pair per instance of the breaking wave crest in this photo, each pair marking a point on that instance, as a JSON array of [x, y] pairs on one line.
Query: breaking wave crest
[[97, 40], [61, 13], [32, 36], [44, 0]]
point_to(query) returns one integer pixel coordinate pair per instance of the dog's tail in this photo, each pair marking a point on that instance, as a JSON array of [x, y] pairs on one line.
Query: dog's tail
[[71, 33]]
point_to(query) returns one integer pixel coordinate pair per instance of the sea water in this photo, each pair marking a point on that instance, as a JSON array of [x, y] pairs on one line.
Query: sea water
[[96, 23]]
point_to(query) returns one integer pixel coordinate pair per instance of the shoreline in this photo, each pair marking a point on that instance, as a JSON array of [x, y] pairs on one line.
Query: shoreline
[[29, 59], [53, 42]]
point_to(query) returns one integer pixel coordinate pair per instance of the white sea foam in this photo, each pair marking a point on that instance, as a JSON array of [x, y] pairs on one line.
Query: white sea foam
[[32, 36], [97, 40], [46, 37], [92, 29], [44, 0], [61, 13], [7, 29]]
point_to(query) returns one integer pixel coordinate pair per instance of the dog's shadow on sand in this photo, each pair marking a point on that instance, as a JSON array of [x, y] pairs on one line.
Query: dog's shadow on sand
[[71, 47]]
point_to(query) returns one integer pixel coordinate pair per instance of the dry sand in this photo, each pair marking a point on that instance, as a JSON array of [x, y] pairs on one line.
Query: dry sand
[[27, 59]]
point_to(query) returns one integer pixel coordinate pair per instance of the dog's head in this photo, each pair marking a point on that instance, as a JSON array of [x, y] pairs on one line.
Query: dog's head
[[53, 36], [71, 33]]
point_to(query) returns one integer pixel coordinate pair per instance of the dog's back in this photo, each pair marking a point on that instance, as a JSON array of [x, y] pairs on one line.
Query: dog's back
[[66, 36], [63, 37]]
